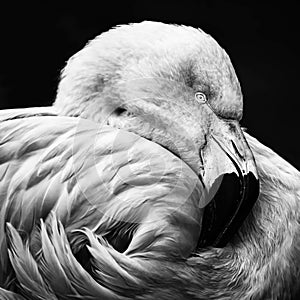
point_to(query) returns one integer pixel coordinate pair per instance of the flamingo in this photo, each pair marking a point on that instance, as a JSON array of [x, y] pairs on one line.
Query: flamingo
[[139, 183]]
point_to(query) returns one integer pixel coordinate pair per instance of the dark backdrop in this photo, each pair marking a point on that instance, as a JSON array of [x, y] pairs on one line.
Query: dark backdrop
[[260, 38]]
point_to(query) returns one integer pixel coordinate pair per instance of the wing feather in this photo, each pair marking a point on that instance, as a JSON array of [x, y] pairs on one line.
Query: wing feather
[[63, 178]]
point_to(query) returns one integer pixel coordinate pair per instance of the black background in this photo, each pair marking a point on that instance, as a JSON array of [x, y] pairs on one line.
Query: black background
[[261, 39]]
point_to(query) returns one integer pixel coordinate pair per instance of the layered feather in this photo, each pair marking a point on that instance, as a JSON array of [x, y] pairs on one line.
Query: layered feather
[[67, 177]]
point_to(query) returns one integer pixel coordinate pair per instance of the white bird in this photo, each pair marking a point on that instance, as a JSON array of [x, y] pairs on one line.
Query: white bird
[[92, 209]]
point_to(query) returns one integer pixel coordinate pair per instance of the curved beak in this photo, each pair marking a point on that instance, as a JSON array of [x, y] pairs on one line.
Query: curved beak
[[231, 183]]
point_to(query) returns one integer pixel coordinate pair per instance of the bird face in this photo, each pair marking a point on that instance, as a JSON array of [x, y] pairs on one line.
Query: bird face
[[175, 86], [183, 121]]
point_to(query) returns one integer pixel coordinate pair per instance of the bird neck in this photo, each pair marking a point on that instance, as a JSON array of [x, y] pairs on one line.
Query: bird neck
[[268, 236], [74, 98]]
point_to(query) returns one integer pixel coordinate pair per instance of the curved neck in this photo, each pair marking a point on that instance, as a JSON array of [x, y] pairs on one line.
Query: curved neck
[[265, 253]]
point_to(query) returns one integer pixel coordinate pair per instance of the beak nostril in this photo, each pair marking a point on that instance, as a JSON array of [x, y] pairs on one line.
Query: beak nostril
[[201, 159], [232, 174], [237, 151], [202, 169]]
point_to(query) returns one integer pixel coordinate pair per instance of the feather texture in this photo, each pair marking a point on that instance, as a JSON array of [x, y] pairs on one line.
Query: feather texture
[[59, 242], [89, 211]]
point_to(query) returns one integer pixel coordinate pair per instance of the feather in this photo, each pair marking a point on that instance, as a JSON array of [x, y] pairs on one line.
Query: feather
[[81, 281], [52, 270], [25, 267], [7, 295], [115, 212]]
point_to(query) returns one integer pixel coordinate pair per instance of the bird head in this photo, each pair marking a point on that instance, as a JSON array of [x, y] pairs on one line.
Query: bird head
[[176, 86]]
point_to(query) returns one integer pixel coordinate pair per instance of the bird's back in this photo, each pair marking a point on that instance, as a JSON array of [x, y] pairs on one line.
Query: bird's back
[[133, 193]]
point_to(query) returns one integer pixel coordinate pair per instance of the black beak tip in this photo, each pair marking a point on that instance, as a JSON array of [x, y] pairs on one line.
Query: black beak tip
[[229, 208]]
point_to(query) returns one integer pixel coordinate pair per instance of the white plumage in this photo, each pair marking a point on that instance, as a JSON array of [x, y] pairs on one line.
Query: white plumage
[[92, 211]]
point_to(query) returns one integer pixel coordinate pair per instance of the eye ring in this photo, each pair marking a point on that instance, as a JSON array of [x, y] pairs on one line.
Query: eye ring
[[200, 97]]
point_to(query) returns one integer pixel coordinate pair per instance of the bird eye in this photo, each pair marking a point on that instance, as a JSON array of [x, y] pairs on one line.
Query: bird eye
[[200, 97]]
